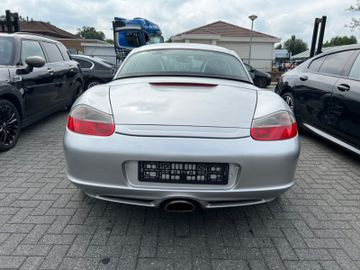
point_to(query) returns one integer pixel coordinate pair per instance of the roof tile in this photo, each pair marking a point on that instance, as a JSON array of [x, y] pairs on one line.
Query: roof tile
[[225, 29], [44, 28]]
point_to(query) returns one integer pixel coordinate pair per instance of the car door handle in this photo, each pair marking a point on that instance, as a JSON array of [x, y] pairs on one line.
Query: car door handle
[[50, 71], [304, 78], [343, 87]]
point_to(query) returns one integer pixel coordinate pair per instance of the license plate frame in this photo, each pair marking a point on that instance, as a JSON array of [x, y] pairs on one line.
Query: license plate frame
[[183, 172]]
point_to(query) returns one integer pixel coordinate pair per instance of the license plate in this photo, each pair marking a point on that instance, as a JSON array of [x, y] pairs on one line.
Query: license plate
[[183, 172]]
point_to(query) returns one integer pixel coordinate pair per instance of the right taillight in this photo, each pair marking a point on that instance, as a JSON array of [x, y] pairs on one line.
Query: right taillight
[[89, 121], [278, 126]]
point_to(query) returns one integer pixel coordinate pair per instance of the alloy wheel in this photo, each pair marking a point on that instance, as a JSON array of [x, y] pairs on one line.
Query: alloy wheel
[[289, 100], [93, 83], [9, 125]]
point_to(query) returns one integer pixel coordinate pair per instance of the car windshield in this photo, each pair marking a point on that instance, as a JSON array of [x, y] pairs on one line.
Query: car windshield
[[6, 51], [155, 39], [183, 62], [103, 61]]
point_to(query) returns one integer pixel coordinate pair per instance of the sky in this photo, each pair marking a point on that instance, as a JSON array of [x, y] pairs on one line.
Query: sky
[[280, 18]]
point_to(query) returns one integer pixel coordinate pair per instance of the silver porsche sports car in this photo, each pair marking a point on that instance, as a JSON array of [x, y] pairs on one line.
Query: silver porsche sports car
[[180, 126]]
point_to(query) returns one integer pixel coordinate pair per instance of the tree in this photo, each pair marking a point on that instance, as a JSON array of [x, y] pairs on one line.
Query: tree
[[338, 41], [355, 22], [109, 40], [278, 47], [89, 32], [295, 45]]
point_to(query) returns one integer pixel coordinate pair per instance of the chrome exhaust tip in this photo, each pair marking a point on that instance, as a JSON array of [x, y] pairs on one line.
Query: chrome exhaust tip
[[180, 206]]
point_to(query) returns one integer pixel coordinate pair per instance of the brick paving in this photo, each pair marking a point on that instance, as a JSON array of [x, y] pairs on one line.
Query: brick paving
[[46, 223]]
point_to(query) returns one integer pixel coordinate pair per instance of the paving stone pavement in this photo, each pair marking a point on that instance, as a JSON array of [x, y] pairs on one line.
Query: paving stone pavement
[[46, 223]]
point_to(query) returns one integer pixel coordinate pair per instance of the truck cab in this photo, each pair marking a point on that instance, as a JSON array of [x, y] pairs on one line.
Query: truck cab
[[133, 33]]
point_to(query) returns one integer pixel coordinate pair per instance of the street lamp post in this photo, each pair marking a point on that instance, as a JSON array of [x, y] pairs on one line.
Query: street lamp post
[[252, 18]]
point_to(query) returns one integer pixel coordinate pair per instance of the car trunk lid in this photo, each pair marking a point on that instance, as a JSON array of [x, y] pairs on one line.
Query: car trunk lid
[[178, 108]]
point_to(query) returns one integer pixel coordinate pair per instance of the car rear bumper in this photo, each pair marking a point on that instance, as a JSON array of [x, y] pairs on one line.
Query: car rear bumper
[[106, 168], [150, 197]]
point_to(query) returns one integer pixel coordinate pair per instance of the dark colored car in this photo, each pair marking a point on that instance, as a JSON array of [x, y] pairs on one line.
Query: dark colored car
[[324, 93], [95, 70], [261, 79], [37, 78]]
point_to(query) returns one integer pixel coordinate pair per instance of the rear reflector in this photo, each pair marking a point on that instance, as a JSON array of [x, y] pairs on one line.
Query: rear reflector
[[183, 84], [277, 126], [86, 120]]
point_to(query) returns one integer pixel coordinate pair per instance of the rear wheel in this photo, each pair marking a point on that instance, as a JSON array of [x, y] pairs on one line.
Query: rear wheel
[[9, 125], [92, 83]]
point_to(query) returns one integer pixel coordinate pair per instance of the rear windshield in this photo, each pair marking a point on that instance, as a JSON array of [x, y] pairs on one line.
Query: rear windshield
[[183, 62], [103, 61], [6, 51]]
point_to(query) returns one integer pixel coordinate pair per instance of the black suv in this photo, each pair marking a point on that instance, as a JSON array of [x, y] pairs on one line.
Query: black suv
[[37, 78]]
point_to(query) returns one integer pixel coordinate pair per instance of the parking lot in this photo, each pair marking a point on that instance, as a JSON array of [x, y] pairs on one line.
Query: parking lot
[[45, 222]]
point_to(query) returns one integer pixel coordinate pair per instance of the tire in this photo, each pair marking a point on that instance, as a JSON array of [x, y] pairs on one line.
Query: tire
[[92, 83], [289, 96], [261, 82], [10, 125], [289, 99]]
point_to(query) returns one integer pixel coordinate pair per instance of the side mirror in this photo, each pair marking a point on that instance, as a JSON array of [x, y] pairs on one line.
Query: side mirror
[[31, 61], [35, 61]]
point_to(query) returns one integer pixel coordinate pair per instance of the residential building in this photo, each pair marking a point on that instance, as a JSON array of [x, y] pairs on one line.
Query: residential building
[[235, 38]]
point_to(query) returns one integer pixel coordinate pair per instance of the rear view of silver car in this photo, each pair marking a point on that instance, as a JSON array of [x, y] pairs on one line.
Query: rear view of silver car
[[181, 125]]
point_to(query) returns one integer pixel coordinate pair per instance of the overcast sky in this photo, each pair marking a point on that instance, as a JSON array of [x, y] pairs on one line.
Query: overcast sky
[[281, 18]]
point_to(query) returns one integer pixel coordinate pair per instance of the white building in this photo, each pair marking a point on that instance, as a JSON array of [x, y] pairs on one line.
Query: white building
[[237, 39]]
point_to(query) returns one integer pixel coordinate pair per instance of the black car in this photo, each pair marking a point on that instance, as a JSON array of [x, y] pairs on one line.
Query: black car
[[95, 70], [261, 79], [37, 78], [324, 93]]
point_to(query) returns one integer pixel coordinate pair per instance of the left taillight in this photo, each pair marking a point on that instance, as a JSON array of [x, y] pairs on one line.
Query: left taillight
[[87, 120], [278, 126]]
